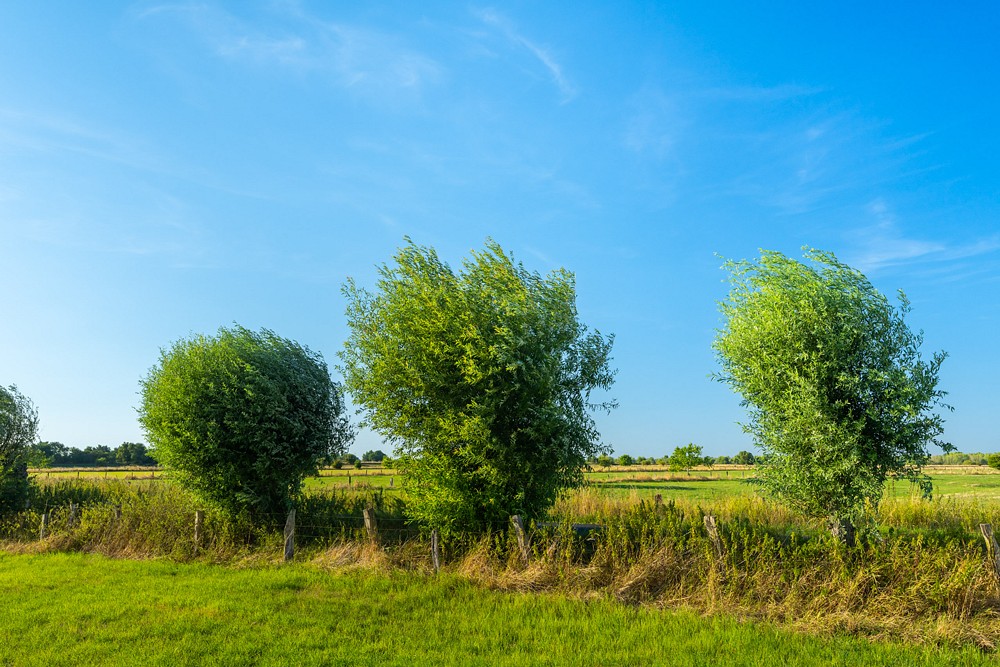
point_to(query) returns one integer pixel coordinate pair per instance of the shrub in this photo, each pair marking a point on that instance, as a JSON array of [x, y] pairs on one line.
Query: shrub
[[242, 417]]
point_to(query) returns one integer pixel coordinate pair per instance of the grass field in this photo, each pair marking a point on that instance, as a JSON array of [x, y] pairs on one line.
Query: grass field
[[75, 609], [702, 486], [923, 577]]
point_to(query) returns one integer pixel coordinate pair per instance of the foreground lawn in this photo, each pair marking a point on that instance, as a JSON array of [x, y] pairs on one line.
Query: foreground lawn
[[73, 609]]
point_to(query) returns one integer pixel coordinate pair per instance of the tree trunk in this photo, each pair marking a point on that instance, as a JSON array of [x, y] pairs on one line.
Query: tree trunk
[[842, 530]]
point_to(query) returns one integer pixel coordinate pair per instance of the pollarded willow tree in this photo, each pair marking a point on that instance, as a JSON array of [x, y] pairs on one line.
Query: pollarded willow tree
[[482, 379], [242, 417], [839, 396], [18, 431]]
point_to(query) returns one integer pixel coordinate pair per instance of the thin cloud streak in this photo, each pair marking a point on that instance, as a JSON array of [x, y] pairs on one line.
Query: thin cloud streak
[[883, 246], [370, 62], [493, 18]]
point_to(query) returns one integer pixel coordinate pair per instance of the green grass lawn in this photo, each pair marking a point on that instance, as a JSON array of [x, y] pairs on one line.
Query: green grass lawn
[[75, 609]]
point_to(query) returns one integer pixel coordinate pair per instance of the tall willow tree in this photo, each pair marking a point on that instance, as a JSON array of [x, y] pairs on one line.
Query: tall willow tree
[[481, 379], [838, 394]]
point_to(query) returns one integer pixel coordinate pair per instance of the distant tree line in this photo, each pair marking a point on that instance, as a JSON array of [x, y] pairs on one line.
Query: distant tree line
[[57, 455], [683, 458], [961, 459]]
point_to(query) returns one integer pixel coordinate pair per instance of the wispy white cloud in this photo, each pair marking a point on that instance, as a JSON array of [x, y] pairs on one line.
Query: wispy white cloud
[[883, 245], [368, 62], [44, 132], [655, 123], [542, 55], [788, 148]]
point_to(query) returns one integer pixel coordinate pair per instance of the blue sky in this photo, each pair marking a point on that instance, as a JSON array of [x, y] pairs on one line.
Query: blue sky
[[166, 169]]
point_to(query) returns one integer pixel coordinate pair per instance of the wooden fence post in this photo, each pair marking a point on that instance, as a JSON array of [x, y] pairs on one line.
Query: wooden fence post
[[370, 524], [390, 482], [118, 512], [658, 500], [522, 540], [435, 551], [713, 535], [45, 526], [199, 522], [992, 549], [72, 514], [290, 536]]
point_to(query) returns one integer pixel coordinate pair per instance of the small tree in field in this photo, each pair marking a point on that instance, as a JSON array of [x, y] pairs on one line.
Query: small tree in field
[[242, 417], [481, 379], [838, 394], [18, 432], [686, 457], [744, 458]]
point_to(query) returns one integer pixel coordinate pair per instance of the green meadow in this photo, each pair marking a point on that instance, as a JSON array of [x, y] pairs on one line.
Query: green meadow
[[652, 587], [78, 609]]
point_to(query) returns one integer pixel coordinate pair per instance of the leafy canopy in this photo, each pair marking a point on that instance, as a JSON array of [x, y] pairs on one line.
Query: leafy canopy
[[686, 457], [242, 417], [839, 397], [18, 431], [481, 379]]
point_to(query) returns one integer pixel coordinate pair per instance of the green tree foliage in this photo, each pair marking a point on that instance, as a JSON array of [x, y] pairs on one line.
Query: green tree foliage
[[744, 458], [839, 397], [481, 379], [44, 454], [686, 457], [242, 417], [373, 455], [993, 461], [626, 460], [133, 454], [18, 431]]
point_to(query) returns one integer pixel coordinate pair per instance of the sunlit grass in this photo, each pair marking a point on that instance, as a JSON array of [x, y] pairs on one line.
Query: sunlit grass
[[73, 609]]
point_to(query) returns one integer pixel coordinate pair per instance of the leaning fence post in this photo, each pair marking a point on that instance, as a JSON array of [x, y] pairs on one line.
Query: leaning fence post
[[713, 535], [45, 526], [290, 535], [435, 551], [370, 524], [522, 541], [992, 549], [199, 522]]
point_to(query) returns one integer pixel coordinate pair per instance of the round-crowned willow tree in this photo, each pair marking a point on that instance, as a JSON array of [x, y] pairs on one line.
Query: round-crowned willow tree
[[242, 417], [18, 431], [481, 379], [839, 396]]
